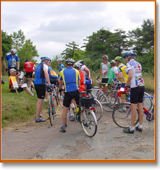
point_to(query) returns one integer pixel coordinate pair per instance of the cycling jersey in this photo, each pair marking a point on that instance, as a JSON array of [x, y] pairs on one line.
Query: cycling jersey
[[28, 66], [10, 84], [123, 68], [39, 74], [82, 86], [61, 67], [105, 69], [70, 78], [52, 74], [12, 60], [88, 80], [112, 74], [136, 69]]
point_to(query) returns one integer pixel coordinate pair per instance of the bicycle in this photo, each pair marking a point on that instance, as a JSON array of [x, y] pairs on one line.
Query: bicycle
[[121, 114], [86, 115], [51, 103]]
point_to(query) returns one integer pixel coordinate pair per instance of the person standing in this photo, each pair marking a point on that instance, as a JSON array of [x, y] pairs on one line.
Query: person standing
[[40, 82], [28, 67], [13, 61], [87, 73], [105, 67], [70, 77], [61, 66], [136, 82]]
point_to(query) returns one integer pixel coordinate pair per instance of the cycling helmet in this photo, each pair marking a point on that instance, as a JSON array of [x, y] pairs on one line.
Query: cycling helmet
[[113, 62], [80, 61], [77, 65], [14, 51], [70, 61], [45, 58], [105, 57], [59, 59], [118, 58], [129, 53]]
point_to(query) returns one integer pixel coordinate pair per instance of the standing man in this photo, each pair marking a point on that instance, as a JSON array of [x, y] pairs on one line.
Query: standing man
[[105, 67], [87, 73], [70, 77], [135, 81], [41, 80], [61, 66], [13, 61], [28, 67]]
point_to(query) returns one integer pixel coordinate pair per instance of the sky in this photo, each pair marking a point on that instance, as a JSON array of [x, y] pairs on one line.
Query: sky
[[52, 25]]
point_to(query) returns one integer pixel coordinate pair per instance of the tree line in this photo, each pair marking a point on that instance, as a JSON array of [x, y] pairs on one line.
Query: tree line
[[103, 42]]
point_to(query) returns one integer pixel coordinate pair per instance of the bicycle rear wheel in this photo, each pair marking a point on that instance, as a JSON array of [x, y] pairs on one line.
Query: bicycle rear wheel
[[98, 109], [147, 101], [51, 110], [122, 115], [88, 122]]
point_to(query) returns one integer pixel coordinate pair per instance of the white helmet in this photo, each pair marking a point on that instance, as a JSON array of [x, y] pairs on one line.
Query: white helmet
[[59, 59], [77, 65], [14, 51]]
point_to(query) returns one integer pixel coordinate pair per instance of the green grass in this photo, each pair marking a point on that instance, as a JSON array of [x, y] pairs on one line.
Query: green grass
[[16, 108]]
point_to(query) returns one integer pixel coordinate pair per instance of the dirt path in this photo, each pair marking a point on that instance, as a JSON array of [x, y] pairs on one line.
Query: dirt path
[[39, 141]]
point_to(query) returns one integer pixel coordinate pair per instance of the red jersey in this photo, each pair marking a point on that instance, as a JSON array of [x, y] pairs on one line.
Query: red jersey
[[28, 66]]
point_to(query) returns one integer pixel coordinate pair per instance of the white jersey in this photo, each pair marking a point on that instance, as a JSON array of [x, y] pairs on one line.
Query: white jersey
[[115, 69], [82, 69], [136, 69]]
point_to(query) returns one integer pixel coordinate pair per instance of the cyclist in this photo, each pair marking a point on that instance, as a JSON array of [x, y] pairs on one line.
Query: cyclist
[[21, 87], [122, 75], [87, 73], [113, 72], [13, 61], [105, 67], [70, 77], [28, 67], [61, 66], [122, 71], [135, 81], [41, 78]]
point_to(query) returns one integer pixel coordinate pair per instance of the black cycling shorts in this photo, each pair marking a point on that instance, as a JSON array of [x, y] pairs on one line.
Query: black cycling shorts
[[29, 75], [19, 90], [69, 96], [40, 90], [137, 94]]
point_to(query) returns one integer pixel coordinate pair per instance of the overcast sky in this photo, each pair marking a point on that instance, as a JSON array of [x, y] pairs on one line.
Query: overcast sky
[[51, 25]]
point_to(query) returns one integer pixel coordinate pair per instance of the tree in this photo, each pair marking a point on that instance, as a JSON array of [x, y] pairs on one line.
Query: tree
[[18, 39], [142, 39], [27, 51], [6, 44], [69, 52]]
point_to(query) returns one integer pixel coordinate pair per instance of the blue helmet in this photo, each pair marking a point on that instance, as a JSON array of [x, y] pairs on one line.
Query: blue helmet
[[45, 58], [129, 53]]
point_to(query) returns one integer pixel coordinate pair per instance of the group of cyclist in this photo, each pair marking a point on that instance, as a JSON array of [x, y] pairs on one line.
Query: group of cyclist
[[77, 77]]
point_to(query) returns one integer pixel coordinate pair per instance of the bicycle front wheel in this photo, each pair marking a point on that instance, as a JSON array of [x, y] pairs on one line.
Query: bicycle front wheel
[[98, 109], [122, 115], [147, 101], [88, 122], [51, 110]]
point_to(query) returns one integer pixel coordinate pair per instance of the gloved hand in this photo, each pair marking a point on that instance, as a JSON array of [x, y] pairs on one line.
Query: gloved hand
[[127, 89], [6, 69]]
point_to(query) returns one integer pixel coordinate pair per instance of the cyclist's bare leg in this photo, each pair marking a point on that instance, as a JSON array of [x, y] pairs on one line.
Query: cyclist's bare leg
[[64, 115], [39, 107], [28, 91], [140, 109], [133, 113], [30, 82]]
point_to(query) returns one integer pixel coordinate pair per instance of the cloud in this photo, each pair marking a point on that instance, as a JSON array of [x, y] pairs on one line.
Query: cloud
[[51, 25]]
